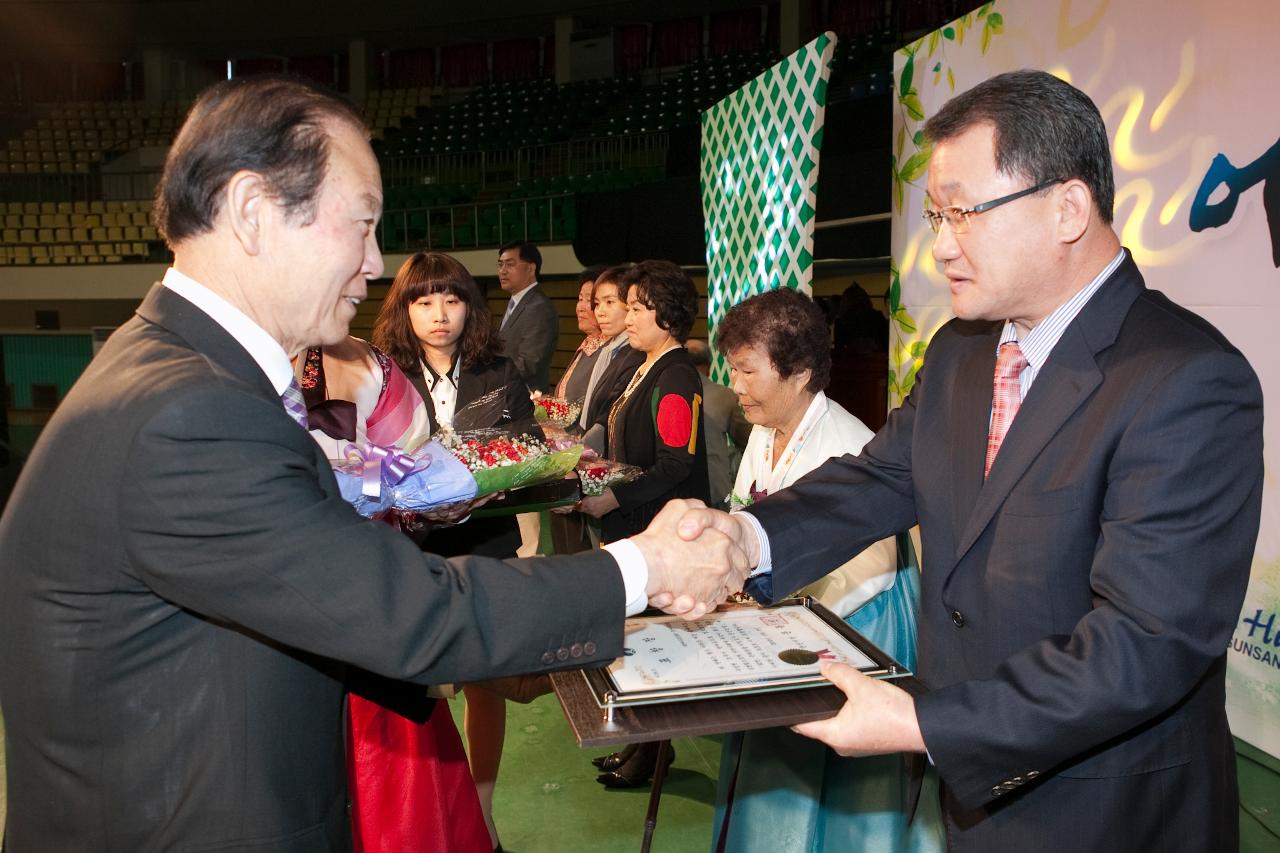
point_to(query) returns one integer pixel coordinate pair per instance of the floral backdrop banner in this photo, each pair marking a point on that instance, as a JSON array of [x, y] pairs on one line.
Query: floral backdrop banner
[[760, 150], [1197, 159]]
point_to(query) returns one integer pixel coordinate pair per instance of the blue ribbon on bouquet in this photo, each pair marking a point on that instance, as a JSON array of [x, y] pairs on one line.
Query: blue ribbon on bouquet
[[382, 466]]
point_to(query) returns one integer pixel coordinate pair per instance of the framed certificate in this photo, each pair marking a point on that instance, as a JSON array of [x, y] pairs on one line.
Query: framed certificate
[[736, 651]]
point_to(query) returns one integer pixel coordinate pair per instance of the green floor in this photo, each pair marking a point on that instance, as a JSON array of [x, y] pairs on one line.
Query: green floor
[[547, 799]]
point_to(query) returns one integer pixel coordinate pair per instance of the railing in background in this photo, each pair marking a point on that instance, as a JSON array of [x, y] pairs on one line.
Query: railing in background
[[541, 219], [575, 157], [77, 186]]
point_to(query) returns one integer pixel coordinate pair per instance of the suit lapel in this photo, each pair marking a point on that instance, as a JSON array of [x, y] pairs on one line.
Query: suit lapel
[[470, 387], [971, 412], [520, 306], [167, 309], [170, 311], [1069, 377]]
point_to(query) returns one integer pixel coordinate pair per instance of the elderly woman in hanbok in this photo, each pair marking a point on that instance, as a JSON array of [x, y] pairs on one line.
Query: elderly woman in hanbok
[[778, 790]]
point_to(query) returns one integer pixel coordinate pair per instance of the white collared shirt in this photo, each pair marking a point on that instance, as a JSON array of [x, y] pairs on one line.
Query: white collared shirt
[[263, 348], [1040, 341], [443, 390]]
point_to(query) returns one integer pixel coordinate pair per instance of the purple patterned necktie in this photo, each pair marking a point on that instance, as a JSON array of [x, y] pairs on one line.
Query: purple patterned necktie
[[293, 404]]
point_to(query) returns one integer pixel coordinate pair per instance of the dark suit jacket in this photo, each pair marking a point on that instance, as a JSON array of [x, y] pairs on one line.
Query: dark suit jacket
[[179, 579], [530, 335], [612, 382], [1075, 607], [659, 429], [490, 537]]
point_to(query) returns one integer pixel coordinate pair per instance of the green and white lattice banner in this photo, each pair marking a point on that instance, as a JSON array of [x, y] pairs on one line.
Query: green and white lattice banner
[[760, 151]]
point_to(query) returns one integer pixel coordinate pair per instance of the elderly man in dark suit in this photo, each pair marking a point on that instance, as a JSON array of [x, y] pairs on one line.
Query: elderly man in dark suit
[[530, 326], [1084, 459], [181, 582]]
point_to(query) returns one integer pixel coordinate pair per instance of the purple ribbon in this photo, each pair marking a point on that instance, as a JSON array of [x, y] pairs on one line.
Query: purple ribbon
[[382, 466]]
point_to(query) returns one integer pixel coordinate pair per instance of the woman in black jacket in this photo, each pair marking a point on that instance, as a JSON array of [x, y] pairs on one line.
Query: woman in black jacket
[[435, 325], [655, 425]]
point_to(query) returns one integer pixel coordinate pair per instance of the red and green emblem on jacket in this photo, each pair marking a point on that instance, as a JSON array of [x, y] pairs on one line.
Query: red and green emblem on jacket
[[674, 420]]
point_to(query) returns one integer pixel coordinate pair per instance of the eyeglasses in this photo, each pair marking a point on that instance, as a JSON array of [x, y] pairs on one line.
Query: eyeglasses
[[958, 217]]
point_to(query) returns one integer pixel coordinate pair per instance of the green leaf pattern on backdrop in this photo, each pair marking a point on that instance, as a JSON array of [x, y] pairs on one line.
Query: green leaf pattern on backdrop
[[910, 162], [760, 154]]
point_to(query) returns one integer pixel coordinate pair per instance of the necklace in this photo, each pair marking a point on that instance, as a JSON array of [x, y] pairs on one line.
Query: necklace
[[616, 409]]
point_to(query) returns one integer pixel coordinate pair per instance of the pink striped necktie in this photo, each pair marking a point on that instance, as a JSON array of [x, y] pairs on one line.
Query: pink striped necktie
[[1006, 398], [294, 404]]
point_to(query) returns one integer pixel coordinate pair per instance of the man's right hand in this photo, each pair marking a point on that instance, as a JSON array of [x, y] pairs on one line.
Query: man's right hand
[[693, 570]]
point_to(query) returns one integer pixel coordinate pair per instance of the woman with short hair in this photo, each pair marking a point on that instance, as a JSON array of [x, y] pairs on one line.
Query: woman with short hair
[[779, 361], [656, 425]]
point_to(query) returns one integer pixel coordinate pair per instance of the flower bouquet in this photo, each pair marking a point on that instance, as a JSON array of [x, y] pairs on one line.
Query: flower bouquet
[[596, 475], [500, 462], [556, 411], [376, 479]]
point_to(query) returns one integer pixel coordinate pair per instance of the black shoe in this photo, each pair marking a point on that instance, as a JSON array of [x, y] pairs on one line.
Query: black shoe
[[638, 770], [614, 760]]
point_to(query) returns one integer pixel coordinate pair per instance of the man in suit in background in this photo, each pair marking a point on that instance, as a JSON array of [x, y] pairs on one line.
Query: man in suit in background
[[181, 582], [1084, 459], [530, 326]]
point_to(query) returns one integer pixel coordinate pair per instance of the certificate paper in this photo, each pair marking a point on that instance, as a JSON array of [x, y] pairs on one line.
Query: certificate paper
[[750, 646]]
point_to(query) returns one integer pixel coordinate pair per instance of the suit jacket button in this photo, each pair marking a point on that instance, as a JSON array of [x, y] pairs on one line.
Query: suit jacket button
[[588, 648], [562, 653], [548, 657], [575, 651], [957, 618], [1031, 774], [997, 790]]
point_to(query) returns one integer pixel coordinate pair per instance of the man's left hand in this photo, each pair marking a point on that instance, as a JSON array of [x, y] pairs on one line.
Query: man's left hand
[[877, 718]]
